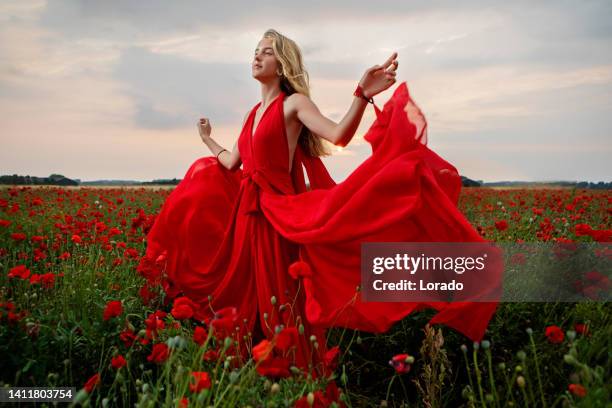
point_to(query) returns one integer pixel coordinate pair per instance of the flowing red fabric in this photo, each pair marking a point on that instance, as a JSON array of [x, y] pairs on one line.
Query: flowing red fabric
[[233, 235]]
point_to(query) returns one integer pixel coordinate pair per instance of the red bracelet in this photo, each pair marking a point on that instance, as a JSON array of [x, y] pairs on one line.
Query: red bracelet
[[359, 93]]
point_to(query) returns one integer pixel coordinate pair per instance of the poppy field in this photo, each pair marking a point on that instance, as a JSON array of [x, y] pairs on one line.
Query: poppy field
[[79, 308]]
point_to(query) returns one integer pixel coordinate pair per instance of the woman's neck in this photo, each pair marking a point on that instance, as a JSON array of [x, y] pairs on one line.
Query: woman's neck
[[268, 93]]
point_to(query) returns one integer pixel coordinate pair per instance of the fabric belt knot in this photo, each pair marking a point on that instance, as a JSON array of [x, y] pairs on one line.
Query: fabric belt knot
[[251, 192]]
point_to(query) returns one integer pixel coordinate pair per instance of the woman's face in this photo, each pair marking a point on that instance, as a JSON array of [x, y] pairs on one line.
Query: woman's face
[[265, 64]]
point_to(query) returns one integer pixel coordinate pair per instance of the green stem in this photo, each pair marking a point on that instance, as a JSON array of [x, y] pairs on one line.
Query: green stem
[[491, 379], [537, 365], [389, 387], [479, 379]]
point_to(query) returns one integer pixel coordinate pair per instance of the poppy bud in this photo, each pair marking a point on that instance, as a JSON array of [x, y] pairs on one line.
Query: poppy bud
[[310, 399]]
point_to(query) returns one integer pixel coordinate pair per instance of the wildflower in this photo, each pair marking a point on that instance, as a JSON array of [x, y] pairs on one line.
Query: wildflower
[[401, 363], [286, 338], [578, 390], [19, 271], [262, 350], [127, 336], [112, 309], [200, 335], [274, 367], [18, 236], [331, 358], [183, 308], [582, 329], [501, 225], [155, 322], [118, 361], [300, 269], [200, 380], [93, 381], [159, 353], [224, 320], [554, 334]]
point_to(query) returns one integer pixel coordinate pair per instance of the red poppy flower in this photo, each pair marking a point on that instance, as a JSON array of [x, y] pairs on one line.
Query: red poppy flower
[[19, 271], [118, 362], [300, 269], [578, 390], [127, 336], [582, 328], [154, 322], [274, 367], [210, 355], [200, 380], [112, 309], [76, 239], [401, 363], [183, 308], [286, 339], [48, 280], [582, 229], [554, 334], [224, 320], [200, 335], [262, 350], [601, 235], [18, 236], [159, 353], [64, 256], [331, 358], [93, 381], [501, 225]]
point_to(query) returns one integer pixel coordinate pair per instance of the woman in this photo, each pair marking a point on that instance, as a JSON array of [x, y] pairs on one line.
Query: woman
[[259, 252]]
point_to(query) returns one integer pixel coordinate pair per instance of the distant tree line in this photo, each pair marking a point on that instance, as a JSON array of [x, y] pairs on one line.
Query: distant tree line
[[174, 181], [53, 179], [60, 180]]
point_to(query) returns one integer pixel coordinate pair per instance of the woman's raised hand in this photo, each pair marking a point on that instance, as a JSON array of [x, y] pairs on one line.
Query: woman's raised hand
[[204, 128], [379, 77]]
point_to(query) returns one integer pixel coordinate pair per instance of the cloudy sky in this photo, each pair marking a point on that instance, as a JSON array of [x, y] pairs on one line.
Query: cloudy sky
[[113, 89]]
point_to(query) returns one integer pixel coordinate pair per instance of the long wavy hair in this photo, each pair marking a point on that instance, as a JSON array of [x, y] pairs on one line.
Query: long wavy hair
[[294, 79]]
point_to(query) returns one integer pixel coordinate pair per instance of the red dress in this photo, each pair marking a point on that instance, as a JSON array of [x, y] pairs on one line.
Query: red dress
[[234, 234]]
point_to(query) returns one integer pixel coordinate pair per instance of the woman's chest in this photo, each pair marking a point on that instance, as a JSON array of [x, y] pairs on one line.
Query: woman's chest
[[270, 140]]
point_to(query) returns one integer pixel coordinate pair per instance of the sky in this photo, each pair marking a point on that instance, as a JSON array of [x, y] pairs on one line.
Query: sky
[[113, 89]]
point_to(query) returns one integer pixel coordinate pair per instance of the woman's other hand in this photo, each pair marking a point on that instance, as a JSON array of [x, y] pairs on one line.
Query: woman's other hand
[[204, 128], [379, 77]]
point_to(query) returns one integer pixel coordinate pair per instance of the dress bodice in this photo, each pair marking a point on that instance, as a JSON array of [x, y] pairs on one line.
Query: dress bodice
[[264, 152]]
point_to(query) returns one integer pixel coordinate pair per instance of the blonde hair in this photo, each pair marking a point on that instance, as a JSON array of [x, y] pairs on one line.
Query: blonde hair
[[294, 79]]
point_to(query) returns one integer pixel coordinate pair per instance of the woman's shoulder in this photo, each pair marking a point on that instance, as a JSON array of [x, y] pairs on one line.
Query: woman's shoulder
[[297, 101]]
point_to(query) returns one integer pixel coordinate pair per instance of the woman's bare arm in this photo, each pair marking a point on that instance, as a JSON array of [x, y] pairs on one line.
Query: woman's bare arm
[[229, 160], [375, 80], [340, 134]]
